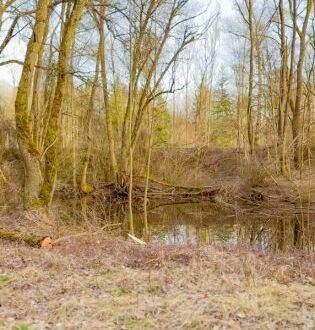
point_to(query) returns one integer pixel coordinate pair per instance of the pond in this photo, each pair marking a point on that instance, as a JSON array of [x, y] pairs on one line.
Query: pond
[[205, 222]]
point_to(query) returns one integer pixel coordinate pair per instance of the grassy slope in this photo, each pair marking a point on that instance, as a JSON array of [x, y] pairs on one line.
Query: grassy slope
[[113, 284]]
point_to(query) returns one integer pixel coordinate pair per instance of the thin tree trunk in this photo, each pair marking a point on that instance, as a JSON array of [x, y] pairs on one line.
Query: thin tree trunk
[[108, 112], [88, 143], [250, 78], [282, 113], [260, 93], [296, 120], [147, 174]]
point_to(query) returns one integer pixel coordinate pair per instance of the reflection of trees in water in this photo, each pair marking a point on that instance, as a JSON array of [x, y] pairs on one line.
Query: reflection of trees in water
[[280, 233], [204, 223], [295, 231]]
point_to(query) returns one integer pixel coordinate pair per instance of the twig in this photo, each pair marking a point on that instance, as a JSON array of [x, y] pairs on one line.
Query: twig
[[48, 147], [3, 176], [57, 241], [137, 240]]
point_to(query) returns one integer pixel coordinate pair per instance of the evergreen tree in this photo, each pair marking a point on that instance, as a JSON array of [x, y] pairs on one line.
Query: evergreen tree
[[161, 119], [222, 104]]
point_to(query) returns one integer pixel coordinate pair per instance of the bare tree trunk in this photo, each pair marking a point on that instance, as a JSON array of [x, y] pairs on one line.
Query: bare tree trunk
[[108, 112], [147, 174], [29, 152], [297, 110], [74, 132], [260, 94], [51, 161], [250, 78], [88, 128], [240, 83], [35, 104], [283, 87]]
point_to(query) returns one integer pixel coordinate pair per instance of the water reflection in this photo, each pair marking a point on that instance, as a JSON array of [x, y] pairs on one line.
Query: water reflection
[[205, 223]]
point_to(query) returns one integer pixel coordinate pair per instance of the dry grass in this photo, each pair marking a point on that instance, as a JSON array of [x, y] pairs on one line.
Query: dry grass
[[114, 284]]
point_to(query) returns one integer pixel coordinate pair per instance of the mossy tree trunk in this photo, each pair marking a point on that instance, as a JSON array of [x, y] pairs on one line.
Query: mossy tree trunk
[[37, 95], [51, 139], [28, 150]]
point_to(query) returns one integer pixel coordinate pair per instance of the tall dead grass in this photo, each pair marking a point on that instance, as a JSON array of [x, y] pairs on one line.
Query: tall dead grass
[[113, 284]]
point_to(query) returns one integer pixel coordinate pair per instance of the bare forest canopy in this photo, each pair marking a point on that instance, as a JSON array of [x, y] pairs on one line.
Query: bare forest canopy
[[104, 86]]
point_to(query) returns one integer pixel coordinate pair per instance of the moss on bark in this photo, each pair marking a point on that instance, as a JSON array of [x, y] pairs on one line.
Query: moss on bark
[[51, 159], [28, 150]]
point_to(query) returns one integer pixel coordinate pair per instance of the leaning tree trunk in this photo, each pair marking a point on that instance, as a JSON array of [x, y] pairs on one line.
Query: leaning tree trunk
[[51, 161], [29, 152]]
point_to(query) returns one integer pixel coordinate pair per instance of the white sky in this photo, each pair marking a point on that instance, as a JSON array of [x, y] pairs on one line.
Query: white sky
[[16, 49]]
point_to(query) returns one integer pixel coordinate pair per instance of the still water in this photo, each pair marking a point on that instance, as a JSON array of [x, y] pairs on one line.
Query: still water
[[206, 223]]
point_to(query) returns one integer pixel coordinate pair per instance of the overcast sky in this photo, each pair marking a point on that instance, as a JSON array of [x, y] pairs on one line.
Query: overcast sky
[[17, 48]]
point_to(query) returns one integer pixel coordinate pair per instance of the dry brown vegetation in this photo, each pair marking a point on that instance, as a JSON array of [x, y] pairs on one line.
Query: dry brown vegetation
[[108, 283]]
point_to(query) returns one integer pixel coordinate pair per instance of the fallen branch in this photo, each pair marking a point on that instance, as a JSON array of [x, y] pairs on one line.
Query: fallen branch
[[137, 240], [58, 240], [170, 185], [160, 190]]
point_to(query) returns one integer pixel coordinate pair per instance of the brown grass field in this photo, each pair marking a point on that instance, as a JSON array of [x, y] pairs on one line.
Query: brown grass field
[[102, 282]]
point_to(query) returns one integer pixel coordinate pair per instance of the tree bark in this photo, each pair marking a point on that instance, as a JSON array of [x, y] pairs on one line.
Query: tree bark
[[297, 110], [283, 87], [51, 161], [29, 152], [88, 142], [250, 78], [260, 92], [108, 112]]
